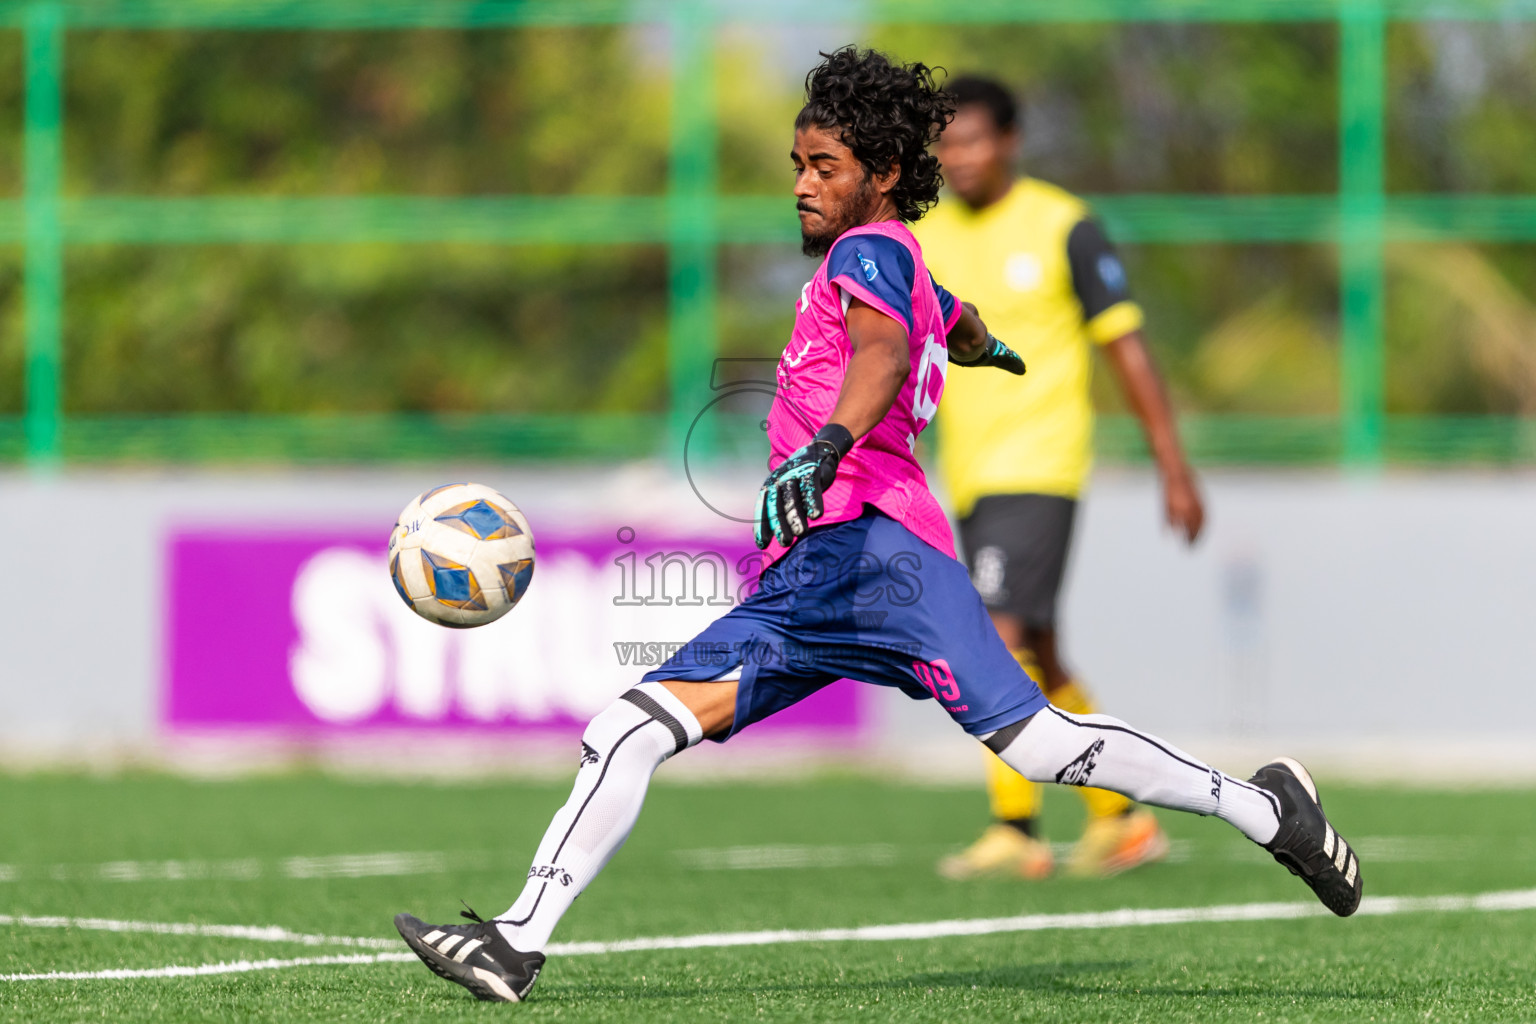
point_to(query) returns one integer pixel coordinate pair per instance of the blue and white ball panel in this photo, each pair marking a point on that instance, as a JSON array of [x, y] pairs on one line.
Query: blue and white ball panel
[[515, 577], [452, 583], [480, 519]]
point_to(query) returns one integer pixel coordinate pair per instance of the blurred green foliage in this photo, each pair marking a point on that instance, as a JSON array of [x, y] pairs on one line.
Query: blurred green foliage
[[536, 111], [361, 328], [10, 112], [366, 328], [1231, 109]]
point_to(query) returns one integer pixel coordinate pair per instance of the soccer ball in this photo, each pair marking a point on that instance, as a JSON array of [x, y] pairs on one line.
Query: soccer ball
[[461, 555]]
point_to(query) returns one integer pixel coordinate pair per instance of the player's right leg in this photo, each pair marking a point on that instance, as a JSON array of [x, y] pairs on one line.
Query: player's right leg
[[1278, 808], [692, 696]]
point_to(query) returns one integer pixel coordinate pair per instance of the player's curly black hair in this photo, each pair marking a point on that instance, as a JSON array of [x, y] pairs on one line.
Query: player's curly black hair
[[886, 112]]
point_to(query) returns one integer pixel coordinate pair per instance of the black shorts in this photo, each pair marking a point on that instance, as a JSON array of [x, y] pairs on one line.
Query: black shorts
[[1016, 548]]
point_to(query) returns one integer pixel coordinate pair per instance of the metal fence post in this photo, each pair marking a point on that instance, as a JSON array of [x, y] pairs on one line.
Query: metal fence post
[[43, 40], [1362, 283], [692, 220]]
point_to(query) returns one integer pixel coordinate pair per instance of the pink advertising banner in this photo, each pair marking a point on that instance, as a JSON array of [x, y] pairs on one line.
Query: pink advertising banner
[[302, 633]]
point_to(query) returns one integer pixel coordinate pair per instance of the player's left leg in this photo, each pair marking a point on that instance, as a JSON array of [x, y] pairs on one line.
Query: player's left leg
[[1278, 808], [1017, 545], [986, 692], [1118, 835], [621, 749], [1012, 845], [1015, 549]]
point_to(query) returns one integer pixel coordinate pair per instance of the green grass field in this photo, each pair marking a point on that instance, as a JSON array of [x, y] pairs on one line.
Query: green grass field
[[290, 851]]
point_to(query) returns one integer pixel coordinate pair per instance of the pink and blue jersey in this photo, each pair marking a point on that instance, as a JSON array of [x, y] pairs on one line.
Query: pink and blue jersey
[[863, 599], [882, 265]]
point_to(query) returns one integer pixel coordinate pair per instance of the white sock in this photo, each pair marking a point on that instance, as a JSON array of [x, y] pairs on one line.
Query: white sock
[[1097, 750], [620, 749]]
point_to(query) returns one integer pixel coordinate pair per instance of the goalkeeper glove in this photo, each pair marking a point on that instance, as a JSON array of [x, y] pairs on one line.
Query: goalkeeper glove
[[999, 355], [791, 496]]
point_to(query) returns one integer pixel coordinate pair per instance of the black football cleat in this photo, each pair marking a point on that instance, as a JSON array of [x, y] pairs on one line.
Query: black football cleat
[[474, 955], [1307, 844]]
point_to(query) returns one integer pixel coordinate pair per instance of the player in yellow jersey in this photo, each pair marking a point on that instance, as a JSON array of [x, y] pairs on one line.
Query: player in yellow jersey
[[1015, 452]]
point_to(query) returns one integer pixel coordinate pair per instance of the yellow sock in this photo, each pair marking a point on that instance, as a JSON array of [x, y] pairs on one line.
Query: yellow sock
[[1011, 795], [1101, 802], [1026, 659]]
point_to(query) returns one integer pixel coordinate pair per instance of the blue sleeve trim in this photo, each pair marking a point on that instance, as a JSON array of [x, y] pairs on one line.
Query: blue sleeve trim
[[949, 306], [879, 266]]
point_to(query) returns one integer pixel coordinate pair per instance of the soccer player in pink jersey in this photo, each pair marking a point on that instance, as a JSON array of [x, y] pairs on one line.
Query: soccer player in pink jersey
[[860, 576]]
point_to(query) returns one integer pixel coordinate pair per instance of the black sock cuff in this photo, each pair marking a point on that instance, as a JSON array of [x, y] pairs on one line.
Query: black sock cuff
[[999, 741], [645, 702]]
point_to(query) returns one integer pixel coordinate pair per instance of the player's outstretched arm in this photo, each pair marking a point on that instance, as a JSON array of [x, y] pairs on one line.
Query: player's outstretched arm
[[971, 344], [791, 496], [1143, 388]]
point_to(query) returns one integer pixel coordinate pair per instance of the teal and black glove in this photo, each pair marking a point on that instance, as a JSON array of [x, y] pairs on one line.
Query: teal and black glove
[[791, 496], [999, 355]]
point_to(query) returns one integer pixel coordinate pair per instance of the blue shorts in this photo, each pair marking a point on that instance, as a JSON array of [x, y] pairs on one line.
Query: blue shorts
[[863, 600]]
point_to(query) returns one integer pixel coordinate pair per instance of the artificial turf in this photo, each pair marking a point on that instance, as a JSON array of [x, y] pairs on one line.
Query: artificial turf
[[862, 850]]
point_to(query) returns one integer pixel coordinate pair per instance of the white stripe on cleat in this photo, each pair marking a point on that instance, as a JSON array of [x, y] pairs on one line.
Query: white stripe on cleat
[[495, 984], [1302, 774]]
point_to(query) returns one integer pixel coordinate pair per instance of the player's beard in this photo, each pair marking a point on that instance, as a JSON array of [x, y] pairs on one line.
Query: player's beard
[[847, 215]]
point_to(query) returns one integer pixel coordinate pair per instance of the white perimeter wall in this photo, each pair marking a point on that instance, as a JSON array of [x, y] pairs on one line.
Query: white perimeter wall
[[1379, 618]]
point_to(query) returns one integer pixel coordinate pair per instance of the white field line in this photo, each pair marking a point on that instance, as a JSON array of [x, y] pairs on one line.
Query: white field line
[[232, 967], [1519, 899], [756, 858], [1376, 906], [346, 865], [270, 933], [365, 865]]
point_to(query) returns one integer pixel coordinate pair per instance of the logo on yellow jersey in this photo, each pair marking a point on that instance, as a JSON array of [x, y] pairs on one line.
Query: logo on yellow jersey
[[1023, 271]]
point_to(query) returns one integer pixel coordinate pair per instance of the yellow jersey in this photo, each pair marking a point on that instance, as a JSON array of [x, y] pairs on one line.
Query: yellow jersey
[[1046, 281]]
